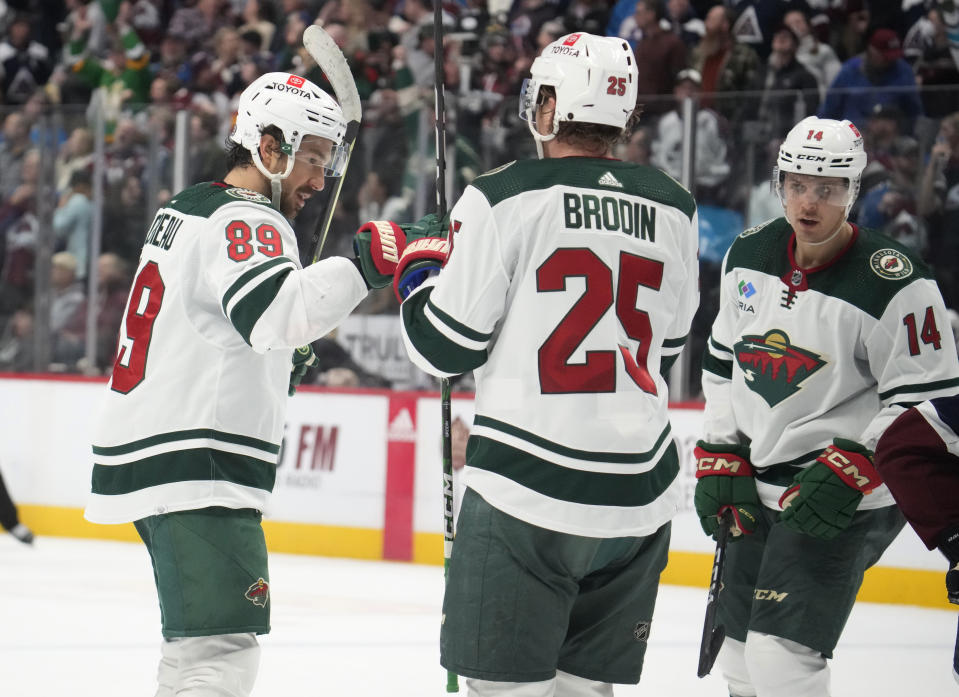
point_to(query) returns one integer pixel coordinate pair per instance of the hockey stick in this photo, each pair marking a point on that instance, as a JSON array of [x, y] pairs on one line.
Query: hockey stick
[[714, 636], [332, 62], [452, 682]]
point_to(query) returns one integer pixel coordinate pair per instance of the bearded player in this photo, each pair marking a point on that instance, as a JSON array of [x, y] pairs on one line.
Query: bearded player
[[187, 444]]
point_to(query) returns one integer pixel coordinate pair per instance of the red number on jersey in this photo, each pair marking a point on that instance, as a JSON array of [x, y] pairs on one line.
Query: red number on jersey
[[929, 334], [238, 234], [598, 372], [240, 247], [271, 244], [143, 307]]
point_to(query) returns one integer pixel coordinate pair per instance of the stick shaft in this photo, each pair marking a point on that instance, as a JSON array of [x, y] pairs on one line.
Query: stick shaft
[[452, 683]]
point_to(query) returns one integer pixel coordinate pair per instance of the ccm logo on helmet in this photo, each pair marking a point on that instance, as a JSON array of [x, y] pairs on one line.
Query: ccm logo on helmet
[[295, 80], [813, 158]]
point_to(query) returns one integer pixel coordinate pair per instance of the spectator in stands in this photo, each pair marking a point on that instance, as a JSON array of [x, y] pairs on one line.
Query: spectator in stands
[[880, 131], [13, 149], [260, 16], [126, 155], [226, 62], [198, 20], [725, 64], [73, 220], [817, 56], [586, 15], [898, 191], [123, 79], [939, 205], [124, 217], [783, 72], [75, 154], [933, 64], [684, 22], [18, 237], [67, 301], [25, 64], [849, 28], [711, 167], [660, 55], [862, 81], [16, 342], [114, 280], [638, 148]]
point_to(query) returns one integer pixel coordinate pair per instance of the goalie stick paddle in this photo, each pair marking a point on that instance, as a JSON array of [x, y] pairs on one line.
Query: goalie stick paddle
[[332, 62], [713, 636]]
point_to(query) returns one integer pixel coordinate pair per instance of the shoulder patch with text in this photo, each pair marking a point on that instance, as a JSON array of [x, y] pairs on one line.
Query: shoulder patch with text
[[890, 264]]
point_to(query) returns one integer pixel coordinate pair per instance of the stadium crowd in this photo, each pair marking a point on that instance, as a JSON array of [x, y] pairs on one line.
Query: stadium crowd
[[104, 102]]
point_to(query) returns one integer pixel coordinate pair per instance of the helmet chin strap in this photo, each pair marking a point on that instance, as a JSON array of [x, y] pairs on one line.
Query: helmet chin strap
[[276, 178], [538, 137]]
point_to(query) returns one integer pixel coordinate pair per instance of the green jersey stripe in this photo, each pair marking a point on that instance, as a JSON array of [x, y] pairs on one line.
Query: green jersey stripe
[[441, 351], [919, 389], [189, 434], [248, 311], [574, 486], [247, 276], [675, 343], [458, 327], [586, 455], [197, 464], [718, 346], [723, 369]]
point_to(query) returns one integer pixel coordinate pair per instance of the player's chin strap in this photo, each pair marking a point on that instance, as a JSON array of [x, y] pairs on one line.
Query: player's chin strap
[[276, 178], [539, 137]]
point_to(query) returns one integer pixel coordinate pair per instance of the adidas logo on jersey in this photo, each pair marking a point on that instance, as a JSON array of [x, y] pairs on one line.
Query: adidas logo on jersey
[[609, 180]]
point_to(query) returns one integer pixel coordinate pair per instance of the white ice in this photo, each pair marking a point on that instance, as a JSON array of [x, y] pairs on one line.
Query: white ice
[[80, 618]]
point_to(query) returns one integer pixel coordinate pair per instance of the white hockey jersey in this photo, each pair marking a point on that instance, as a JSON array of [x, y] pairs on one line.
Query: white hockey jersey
[[796, 358], [571, 284], [194, 415]]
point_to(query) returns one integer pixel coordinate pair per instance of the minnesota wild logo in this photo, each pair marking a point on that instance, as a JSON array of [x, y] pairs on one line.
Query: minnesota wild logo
[[773, 367], [258, 593]]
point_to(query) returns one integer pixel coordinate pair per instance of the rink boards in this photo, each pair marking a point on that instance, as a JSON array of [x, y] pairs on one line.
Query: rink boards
[[359, 476]]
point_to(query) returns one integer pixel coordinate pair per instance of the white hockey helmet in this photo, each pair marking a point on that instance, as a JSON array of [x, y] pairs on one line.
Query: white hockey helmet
[[298, 108], [823, 148], [595, 79]]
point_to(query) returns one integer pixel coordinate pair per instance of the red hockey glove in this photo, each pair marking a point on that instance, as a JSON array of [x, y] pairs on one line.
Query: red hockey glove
[[378, 246]]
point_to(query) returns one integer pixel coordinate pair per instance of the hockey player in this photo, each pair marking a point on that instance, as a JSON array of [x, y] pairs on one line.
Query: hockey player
[[570, 288], [918, 458], [187, 444], [824, 331]]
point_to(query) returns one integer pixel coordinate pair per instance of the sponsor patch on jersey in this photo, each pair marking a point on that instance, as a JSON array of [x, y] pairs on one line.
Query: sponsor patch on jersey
[[258, 593], [891, 264], [774, 368], [247, 195]]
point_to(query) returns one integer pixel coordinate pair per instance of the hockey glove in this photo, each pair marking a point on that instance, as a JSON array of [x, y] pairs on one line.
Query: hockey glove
[[427, 249], [824, 496], [378, 245], [303, 360], [724, 480]]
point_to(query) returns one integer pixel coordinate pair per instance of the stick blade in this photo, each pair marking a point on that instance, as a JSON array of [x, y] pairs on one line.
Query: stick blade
[[707, 657], [332, 62]]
